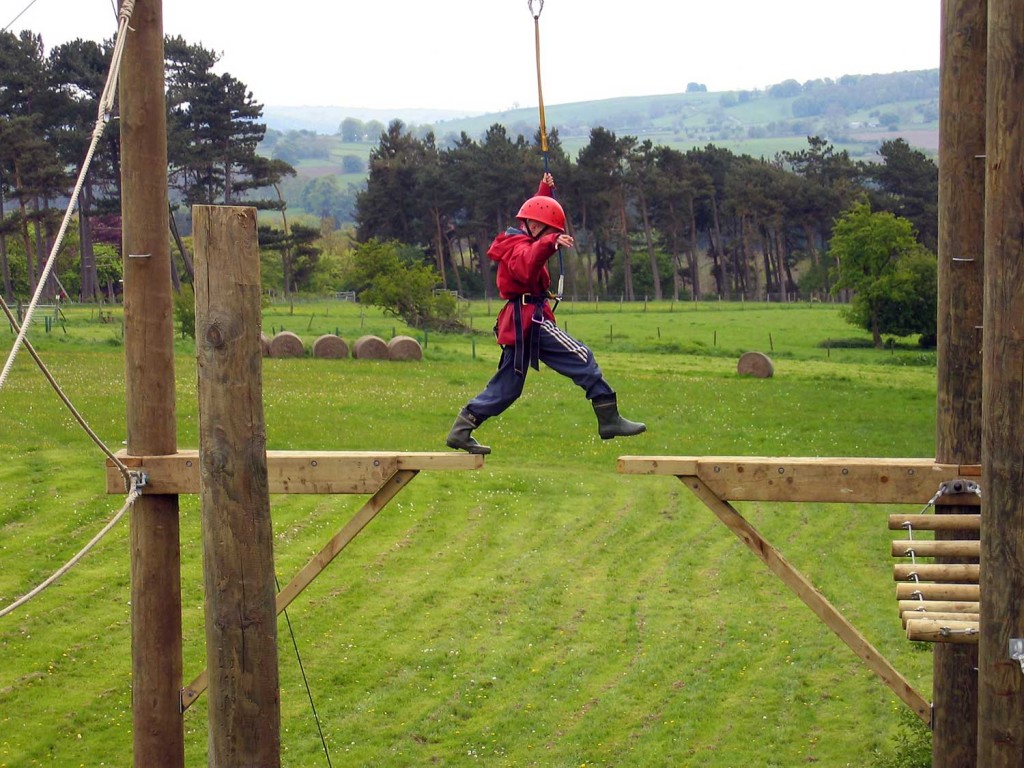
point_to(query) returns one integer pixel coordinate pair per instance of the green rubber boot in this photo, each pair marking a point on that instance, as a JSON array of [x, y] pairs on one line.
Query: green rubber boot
[[609, 423], [460, 437]]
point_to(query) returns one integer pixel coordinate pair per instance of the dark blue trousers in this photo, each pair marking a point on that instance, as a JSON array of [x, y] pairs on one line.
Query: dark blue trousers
[[560, 352]]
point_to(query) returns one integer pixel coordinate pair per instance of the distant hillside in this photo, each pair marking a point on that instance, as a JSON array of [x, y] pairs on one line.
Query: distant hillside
[[327, 119], [855, 112]]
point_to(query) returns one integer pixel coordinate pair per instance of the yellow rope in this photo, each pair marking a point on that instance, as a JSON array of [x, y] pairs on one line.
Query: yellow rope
[[540, 90]]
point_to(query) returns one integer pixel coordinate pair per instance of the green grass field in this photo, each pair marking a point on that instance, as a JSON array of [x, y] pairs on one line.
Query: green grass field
[[542, 611]]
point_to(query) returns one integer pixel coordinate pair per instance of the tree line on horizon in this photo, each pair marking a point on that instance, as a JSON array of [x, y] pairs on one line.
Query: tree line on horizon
[[650, 221]]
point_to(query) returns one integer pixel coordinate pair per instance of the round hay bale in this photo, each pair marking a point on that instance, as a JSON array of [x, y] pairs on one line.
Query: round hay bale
[[330, 346], [286, 344], [370, 348], [264, 344], [404, 348], [755, 364]]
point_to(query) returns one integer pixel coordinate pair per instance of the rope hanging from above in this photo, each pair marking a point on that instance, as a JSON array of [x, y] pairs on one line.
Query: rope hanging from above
[[544, 130]]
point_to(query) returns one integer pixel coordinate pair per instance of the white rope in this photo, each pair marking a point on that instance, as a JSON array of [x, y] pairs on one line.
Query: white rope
[[105, 106], [136, 491]]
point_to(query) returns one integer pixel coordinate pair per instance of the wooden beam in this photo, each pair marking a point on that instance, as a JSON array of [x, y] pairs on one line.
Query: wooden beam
[[911, 591], [811, 597], [843, 480], [946, 606], [157, 730], [930, 522], [942, 631], [944, 572], [295, 471], [238, 536], [931, 548], [908, 616]]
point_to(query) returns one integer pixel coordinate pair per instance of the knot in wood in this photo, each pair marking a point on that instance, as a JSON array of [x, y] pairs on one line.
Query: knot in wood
[[214, 336]]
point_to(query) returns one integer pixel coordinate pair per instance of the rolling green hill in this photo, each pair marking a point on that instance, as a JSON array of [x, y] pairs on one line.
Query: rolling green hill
[[855, 113]]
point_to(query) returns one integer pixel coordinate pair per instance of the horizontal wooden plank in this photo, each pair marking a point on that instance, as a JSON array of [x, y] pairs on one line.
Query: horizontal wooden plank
[[924, 607], [954, 592], [945, 573], [943, 631], [294, 471], [932, 548], [851, 480], [933, 522], [908, 616]]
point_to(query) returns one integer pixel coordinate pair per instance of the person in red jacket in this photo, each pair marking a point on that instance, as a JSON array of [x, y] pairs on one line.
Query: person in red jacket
[[526, 328]]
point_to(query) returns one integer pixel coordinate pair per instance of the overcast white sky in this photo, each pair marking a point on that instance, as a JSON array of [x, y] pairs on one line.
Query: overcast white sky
[[479, 55]]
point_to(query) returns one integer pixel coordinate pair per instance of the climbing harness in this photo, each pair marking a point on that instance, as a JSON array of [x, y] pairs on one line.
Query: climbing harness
[[557, 296]]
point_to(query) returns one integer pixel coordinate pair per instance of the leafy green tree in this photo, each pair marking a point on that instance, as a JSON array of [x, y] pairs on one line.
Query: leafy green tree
[[352, 130], [880, 260], [906, 183], [30, 167], [298, 250], [393, 277], [78, 72], [389, 208], [213, 130]]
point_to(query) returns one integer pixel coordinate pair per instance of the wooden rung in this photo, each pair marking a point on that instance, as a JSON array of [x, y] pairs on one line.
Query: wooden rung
[[956, 574], [924, 607], [912, 590], [931, 548], [931, 631], [932, 522], [908, 616]]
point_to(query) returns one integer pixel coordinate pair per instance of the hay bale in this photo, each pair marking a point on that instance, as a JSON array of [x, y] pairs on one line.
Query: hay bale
[[404, 348], [755, 364], [330, 346], [286, 344], [264, 344], [370, 348]]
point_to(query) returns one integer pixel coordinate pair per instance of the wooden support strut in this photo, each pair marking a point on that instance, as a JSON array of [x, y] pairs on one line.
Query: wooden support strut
[[812, 598], [387, 491], [380, 473]]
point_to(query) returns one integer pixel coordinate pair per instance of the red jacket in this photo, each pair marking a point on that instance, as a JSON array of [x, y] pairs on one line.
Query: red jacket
[[522, 269]]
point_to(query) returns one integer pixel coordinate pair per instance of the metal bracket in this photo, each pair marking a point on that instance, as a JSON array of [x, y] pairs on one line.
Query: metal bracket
[[957, 487], [1017, 650]]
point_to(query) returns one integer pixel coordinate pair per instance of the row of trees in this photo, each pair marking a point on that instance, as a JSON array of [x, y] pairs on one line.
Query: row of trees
[[649, 220], [48, 108]]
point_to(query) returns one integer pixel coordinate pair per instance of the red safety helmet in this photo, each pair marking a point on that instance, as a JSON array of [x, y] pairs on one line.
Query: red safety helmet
[[544, 209]]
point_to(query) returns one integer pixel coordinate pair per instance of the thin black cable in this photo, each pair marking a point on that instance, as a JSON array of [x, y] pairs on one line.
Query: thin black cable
[[305, 681]]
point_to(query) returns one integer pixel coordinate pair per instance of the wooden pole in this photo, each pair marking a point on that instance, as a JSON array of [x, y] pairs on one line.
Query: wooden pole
[[238, 558], [158, 733], [1000, 678], [961, 283]]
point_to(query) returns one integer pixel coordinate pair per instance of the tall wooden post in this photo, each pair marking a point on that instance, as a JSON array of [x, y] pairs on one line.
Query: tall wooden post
[[1001, 679], [961, 303], [158, 733], [238, 558]]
